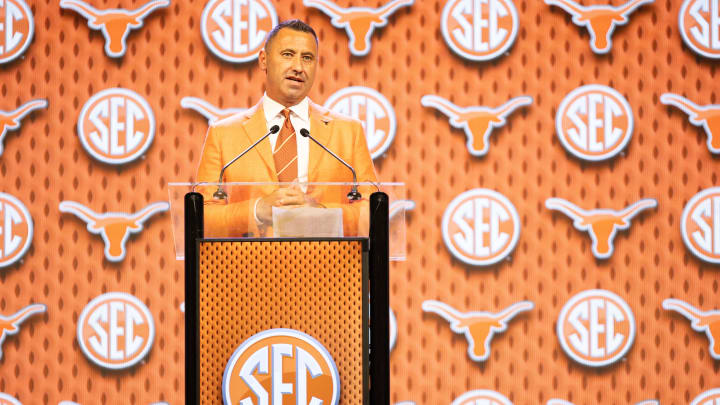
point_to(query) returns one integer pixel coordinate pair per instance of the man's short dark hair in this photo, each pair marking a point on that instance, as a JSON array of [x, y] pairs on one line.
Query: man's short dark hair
[[296, 25]]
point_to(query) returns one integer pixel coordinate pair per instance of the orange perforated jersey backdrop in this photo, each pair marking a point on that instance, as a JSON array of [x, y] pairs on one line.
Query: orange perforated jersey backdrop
[[298, 289], [44, 163]]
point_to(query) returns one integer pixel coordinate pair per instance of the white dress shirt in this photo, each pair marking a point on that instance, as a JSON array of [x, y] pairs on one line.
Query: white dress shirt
[[300, 118]]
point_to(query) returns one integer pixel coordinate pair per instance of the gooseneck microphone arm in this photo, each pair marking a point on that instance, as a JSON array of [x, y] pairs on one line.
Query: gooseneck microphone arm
[[353, 195], [220, 194]]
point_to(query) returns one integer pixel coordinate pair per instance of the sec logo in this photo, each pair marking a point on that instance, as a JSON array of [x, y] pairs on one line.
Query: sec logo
[[711, 397], [17, 28], [6, 399], [594, 122], [700, 225], [479, 30], [481, 397], [480, 227], [116, 126], [115, 331], [700, 26], [235, 30], [373, 110], [16, 230], [273, 366], [596, 328]]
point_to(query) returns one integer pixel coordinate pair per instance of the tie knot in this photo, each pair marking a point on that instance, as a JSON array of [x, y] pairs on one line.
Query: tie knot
[[286, 113]]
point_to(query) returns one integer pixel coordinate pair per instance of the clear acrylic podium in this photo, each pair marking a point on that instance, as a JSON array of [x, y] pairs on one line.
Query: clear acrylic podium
[[320, 268]]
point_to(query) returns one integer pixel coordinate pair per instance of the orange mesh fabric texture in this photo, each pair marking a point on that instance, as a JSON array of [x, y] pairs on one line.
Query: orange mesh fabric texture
[[43, 163], [312, 287]]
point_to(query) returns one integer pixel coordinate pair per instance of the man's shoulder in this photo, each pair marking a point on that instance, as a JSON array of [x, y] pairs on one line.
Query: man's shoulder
[[328, 115], [238, 118]]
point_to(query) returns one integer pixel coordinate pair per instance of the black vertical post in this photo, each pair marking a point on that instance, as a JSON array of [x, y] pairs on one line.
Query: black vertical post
[[379, 299], [194, 228]]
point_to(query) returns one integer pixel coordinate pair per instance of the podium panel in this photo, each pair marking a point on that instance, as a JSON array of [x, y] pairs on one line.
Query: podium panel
[[315, 286]]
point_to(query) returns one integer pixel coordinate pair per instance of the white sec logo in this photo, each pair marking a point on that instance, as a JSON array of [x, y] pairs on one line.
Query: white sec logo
[[373, 110], [594, 122], [116, 126], [6, 399], [710, 397], [17, 27], [699, 23], [596, 328], [480, 30], [277, 364], [700, 225], [480, 227], [115, 331], [16, 230], [481, 397], [235, 30]]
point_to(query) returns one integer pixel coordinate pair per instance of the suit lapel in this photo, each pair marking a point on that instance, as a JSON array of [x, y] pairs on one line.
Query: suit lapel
[[320, 129], [255, 128]]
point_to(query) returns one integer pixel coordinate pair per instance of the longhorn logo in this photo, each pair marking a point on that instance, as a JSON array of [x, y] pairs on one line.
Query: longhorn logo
[[115, 23], [702, 321], [479, 328], [6, 399], [235, 30], [707, 116], [16, 230], [480, 227], [398, 207], [303, 365], [594, 122], [114, 227], [700, 225], [699, 24], [710, 397], [478, 122], [115, 331], [480, 30], [373, 110], [358, 22], [10, 325], [18, 28], [209, 111], [116, 126], [600, 21], [11, 119], [481, 397], [397, 213], [596, 328], [601, 224]]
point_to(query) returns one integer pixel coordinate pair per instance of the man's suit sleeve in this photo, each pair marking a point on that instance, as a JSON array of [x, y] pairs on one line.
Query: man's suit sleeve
[[221, 220]]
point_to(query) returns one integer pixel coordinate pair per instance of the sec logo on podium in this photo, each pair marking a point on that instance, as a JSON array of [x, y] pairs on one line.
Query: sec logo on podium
[[280, 365]]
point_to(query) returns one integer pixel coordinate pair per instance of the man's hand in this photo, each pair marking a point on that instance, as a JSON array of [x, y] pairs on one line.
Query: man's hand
[[281, 197]]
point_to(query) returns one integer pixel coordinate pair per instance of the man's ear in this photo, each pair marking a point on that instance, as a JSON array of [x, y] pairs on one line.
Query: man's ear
[[262, 60]]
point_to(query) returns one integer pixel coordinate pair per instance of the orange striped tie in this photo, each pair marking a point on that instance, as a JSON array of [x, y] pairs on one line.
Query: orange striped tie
[[285, 153]]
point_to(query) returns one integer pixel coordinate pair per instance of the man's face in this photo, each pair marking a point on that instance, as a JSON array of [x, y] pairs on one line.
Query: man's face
[[289, 63]]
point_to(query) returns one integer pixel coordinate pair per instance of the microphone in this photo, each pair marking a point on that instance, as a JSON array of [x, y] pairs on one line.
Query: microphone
[[353, 195], [220, 194]]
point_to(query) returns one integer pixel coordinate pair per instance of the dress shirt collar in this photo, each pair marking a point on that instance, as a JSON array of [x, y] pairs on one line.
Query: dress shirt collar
[[273, 109]]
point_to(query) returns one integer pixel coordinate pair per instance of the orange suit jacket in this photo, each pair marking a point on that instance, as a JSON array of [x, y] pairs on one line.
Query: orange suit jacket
[[229, 137]]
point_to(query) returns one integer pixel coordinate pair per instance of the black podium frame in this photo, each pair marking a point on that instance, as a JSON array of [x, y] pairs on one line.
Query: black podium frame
[[378, 351]]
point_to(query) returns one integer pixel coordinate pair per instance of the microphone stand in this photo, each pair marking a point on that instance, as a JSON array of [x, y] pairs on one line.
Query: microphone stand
[[354, 194], [220, 193]]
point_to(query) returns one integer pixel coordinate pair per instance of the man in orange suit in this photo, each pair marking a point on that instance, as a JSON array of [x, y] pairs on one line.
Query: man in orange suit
[[289, 60]]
